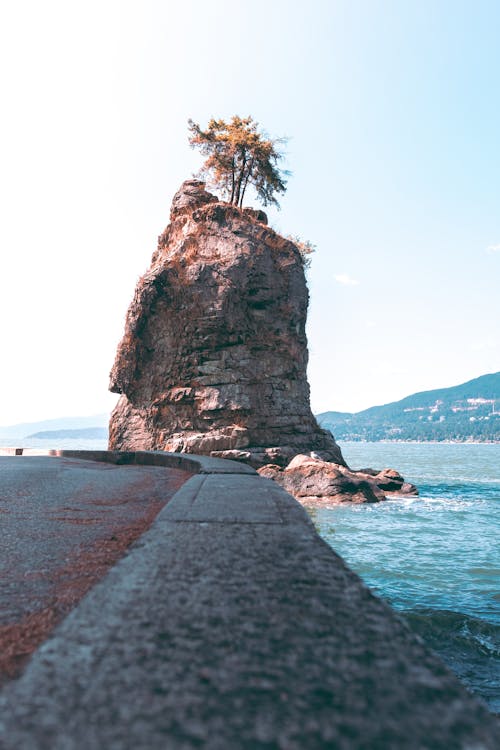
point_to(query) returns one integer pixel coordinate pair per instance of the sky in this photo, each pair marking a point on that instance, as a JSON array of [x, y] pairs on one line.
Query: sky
[[391, 109]]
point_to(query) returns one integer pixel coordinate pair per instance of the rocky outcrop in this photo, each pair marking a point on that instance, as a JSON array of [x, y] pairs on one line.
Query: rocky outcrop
[[214, 355], [316, 482]]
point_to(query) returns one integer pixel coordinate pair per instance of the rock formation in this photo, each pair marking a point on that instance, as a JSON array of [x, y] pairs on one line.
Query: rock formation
[[214, 355], [316, 482]]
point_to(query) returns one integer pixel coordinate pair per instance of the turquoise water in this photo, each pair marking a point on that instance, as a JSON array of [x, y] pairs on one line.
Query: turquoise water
[[59, 443], [436, 558]]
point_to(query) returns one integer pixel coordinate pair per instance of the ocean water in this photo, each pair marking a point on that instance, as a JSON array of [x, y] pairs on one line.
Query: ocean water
[[75, 444], [435, 558]]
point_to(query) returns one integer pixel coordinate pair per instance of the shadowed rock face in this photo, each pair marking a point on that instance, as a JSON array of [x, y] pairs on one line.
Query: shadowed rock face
[[214, 355]]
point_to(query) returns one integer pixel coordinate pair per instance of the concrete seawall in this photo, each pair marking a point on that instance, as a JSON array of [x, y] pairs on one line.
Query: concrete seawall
[[231, 624]]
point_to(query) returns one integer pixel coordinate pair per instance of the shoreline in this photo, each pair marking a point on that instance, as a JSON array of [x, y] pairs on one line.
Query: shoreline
[[421, 442]]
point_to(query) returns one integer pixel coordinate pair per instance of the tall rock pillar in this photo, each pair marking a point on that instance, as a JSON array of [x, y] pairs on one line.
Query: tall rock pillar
[[214, 355]]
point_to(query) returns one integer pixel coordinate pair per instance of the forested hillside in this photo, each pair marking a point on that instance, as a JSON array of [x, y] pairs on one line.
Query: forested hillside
[[470, 411]]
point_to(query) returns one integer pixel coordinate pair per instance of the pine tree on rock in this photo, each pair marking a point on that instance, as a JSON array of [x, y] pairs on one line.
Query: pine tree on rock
[[238, 155]]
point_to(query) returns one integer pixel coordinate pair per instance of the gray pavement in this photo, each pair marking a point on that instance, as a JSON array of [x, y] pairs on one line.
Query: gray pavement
[[230, 624], [54, 510]]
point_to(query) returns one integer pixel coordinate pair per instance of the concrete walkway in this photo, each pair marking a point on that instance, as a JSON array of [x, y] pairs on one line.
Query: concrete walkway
[[229, 625], [64, 523]]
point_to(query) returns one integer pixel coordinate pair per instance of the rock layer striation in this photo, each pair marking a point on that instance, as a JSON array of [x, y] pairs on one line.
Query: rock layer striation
[[214, 355]]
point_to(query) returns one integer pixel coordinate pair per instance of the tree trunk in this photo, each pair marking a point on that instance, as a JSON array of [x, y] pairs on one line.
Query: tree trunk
[[240, 178], [232, 180], [247, 177]]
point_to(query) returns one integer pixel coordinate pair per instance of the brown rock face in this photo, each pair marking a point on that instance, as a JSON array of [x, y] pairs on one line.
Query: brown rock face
[[214, 355]]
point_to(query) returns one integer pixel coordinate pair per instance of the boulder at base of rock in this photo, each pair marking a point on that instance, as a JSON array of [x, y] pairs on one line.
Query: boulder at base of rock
[[315, 482], [390, 481]]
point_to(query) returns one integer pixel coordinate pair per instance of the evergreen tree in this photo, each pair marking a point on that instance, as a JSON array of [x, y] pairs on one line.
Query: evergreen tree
[[238, 155]]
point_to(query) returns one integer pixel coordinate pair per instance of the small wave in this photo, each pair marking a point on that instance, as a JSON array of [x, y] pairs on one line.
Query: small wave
[[486, 573], [462, 489], [463, 478], [468, 645], [447, 620], [485, 643], [434, 503]]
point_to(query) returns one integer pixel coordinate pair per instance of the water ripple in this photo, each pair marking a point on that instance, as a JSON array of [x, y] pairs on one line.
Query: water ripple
[[435, 557]]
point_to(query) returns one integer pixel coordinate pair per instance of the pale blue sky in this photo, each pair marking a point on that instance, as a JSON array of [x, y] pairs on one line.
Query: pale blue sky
[[392, 110]]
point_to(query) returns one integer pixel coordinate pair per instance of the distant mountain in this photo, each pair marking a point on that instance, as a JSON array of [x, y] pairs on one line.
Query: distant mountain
[[86, 433], [63, 423], [466, 412]]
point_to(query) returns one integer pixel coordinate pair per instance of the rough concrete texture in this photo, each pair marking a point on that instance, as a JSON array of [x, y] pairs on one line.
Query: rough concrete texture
[[64, 524], [232, 625], [214, 355]]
